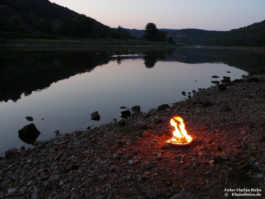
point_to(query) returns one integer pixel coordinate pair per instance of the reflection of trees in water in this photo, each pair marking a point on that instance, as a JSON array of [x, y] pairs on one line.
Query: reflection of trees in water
[[151, 57], [149, 61], [248, 60], [118, 60], [24, 72]]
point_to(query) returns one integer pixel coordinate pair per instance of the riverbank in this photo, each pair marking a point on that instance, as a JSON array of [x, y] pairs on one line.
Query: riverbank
[[83, 43], [129, 158]]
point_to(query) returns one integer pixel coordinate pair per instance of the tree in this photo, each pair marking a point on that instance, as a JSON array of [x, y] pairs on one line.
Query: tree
[[120, 33], [45, 26], [170, 40], [14, 23], [161, 36], [73, 28], [153, 34]]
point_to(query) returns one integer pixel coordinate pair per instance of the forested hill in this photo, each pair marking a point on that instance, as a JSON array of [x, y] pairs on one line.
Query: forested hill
[[193, 36], [253, 35], [187, 36], [43, 19]]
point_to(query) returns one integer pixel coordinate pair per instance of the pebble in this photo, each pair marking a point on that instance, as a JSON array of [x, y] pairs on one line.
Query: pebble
[[11, 191], [147, 134], [34, 195]]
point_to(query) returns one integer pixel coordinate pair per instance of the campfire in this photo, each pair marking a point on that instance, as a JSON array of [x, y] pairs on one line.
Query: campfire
[[180, 135]]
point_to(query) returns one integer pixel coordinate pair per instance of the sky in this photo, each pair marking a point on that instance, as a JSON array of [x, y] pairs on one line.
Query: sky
[[175, 14]]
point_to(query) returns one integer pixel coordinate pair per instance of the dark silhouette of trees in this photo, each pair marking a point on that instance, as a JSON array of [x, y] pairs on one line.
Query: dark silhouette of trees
[[45, 26], [149, 61], [252, 35], [170, 40], [41, 18], [72, 28], [120, 33], [13, 23], [153, 34]]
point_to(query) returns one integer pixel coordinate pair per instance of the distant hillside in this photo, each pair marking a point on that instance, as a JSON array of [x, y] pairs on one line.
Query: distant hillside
[[188, 36], [193, 36], [136, 33], [253, 35], [43, 19]]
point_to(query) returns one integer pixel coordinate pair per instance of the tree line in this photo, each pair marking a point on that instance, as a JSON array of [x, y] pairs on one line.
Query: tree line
[[43, 19]]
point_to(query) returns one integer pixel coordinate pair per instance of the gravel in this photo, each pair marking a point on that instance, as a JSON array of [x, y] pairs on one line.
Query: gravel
[[132, 160]]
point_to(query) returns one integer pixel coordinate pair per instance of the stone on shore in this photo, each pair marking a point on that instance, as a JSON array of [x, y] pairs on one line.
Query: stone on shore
[[125, 114], [29, 134], [215, 82], [95, 116], [29, 118], [136, 109], [122, 122], [226, 79], [215, 76]]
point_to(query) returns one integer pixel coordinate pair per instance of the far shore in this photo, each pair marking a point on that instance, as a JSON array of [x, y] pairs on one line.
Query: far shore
[[85, 44]]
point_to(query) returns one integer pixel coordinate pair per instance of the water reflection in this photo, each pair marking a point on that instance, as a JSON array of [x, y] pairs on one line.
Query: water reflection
[[149, 61], [24, 72]]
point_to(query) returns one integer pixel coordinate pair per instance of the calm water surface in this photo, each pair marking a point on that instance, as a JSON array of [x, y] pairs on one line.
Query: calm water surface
[[66, 104]]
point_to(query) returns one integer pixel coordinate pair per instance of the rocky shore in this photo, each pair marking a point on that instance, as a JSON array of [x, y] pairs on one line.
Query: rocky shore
[[130, 158]]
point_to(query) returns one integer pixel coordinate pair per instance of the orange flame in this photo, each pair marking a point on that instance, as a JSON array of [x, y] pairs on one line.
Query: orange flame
[[180, 135]]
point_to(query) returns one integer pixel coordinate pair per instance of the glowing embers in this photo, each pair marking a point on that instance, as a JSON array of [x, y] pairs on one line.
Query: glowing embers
[[180, 135]]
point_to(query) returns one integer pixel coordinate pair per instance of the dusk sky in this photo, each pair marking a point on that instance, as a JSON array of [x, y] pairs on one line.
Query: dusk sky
[[176, 14]]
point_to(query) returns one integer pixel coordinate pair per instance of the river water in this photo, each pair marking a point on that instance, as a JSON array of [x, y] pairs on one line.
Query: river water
[[61, 89]]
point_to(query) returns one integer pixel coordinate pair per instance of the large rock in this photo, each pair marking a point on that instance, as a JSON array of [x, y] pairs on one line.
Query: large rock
[[136, 109], [226, 79], [29, 118], [95, 116], [215, 76], [126, 114], [29, 134], [122, 122], [215, 82]]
